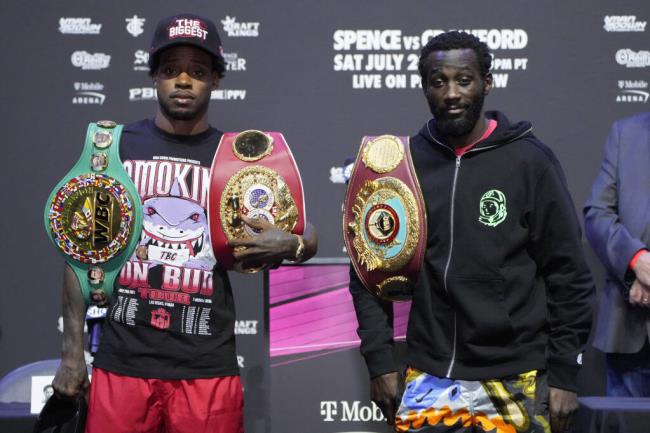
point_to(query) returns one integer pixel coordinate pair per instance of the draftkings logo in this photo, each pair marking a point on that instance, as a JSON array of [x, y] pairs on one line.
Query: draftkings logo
[[88, 94], [142, 94], [623, 23], [633, 91], [246, 327], [78, 26], [633, 59], [236, 29], [228, 94], [234, 62], [141, 60], [350, 411], [90, 62], [135, 25]]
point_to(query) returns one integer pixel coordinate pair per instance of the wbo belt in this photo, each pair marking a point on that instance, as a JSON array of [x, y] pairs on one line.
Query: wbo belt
[[93, 216], [253, 174], [384, 222]]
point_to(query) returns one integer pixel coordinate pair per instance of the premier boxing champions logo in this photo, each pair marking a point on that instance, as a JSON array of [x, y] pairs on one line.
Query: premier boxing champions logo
[[188, 28]]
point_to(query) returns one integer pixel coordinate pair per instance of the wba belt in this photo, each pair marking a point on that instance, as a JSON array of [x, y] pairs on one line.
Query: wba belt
[[253, 174], [94, 216], [384, 222]]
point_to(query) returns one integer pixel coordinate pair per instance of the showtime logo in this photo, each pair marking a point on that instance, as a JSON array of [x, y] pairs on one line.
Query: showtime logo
[[346, 411], [78, 26], [141, 60], [235, 29], [234, 62], [90, 62], [623, 23], [228, 94], [633, 59]]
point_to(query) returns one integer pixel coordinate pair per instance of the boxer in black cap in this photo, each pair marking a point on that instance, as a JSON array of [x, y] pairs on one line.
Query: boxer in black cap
[[167, 362]]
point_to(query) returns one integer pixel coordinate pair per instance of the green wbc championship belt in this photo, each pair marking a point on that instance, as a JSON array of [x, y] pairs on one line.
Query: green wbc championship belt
[[94, 216]]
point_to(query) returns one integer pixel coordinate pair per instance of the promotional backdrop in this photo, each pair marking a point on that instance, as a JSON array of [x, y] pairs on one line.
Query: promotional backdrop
[[324, 74]]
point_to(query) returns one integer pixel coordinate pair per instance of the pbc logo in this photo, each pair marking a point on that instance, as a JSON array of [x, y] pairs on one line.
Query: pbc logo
[[142, 94], [160, 318]]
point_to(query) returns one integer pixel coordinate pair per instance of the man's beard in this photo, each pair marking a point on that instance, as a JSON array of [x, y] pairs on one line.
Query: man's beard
[[458, 126], [182, 113]]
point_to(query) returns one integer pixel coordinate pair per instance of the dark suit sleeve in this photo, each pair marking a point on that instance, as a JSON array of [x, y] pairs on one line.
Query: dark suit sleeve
[[375, 330], [556, 246], [611, 241]]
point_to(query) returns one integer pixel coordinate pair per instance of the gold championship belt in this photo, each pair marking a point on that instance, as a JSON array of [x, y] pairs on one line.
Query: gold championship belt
[[384, 222], [253, 174], [94, 216]]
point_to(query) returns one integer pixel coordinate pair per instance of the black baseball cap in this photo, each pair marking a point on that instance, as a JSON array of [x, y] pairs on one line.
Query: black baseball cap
[[185, 29]]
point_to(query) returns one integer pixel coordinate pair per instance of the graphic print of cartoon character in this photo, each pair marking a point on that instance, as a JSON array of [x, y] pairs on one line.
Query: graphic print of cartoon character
[[175, 231]]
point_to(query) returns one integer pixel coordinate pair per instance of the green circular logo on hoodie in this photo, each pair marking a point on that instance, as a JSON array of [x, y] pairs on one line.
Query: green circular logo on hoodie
[[492, 208]]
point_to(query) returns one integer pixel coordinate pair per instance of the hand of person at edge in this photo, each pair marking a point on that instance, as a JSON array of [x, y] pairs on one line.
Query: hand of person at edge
[[639, 295], [384, 391], [268, 248], [71, 379], [642, 269], [562, 407]]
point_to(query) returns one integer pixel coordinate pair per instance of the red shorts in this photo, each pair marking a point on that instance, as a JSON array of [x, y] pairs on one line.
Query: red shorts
[[124, 404]]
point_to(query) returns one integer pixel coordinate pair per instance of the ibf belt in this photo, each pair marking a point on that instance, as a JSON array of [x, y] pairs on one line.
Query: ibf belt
[[384, 222], [94, 216], [253, 174]]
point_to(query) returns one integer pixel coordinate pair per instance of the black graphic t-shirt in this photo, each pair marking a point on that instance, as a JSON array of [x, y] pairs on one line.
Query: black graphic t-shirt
[[172, 315]]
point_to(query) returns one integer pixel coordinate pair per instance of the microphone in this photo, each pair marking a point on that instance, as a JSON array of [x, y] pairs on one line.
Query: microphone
[[95, 317]]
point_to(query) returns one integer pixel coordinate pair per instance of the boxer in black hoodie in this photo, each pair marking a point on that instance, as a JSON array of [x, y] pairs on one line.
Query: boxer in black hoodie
[[501, 312]]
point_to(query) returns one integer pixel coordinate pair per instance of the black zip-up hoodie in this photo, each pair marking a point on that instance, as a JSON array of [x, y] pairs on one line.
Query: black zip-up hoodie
[[504, 287]]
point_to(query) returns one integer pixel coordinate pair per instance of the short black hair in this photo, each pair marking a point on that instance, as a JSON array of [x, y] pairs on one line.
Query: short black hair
[[455, 40], [218, 64]]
